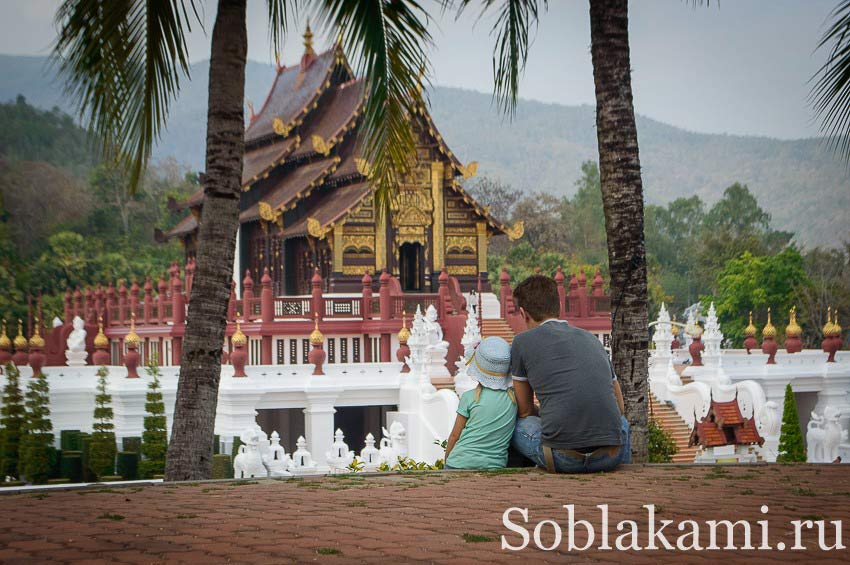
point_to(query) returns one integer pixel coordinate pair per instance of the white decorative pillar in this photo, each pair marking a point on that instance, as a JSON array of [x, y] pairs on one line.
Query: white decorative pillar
[[319, 423], [712, 338], [663, 335]]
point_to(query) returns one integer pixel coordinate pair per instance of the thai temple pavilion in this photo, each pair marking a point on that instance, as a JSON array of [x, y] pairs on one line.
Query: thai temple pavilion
[[307, 201]]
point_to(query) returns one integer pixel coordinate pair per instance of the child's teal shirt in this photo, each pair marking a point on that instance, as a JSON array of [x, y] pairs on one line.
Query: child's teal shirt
[[484, 441]]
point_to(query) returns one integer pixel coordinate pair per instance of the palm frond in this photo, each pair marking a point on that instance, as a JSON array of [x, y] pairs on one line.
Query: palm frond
[[123, 61], [515, 20], [387, 40], [279, 12], [830, 95]]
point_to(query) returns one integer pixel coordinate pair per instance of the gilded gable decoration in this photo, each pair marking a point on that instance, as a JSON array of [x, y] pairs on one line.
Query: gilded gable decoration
[[268, 214], [314, 228], [363, 167], [516, 231], [321, 146], [280, 128], [456, 244], [469, 170], [363, 244]]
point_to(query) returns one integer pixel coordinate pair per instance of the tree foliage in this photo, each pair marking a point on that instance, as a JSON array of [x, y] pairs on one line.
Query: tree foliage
[[37, 439], [103, 448], [155, 436], [660, 443], [12, 419], [791, 448]]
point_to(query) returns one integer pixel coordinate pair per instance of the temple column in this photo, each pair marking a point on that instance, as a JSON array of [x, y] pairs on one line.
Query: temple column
[[438, 229], [337, 243], [482, 246], [380, 240]]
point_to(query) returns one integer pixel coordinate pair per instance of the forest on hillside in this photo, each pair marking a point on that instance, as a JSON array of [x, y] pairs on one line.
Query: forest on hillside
[[800, 183], [68, 220], [726, 253]]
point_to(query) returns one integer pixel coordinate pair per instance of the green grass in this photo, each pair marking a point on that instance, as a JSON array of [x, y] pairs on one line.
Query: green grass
[[40, 495], [811, 517], [476, 538], [800, 491], [747, 491], [328, 551], [108, 516]]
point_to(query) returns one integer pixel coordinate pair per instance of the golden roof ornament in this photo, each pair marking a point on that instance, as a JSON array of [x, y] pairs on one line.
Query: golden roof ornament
[[793, 329], [36, 341], [516, 231], [316, 337], [751, 330], [828, 327], [100, 340], [836, 329], [239, 338], [5, 342], [308, 40], [132, 338], [404, 333], [674, 329], [769, 330], [20, 341]]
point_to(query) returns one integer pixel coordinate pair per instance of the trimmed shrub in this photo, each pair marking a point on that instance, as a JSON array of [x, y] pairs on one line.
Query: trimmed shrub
[[102, 449], [155, 436], [110, 478], [37, 438], [72, 466], [132, 444], [128, 465], [85, 449], [216, 444], [222, 467], [12, 418], [791, 447], [660, 443], [55, 456], [69, 440]]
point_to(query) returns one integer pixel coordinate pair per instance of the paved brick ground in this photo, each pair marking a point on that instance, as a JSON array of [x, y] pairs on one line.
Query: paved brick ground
[[398, 518]]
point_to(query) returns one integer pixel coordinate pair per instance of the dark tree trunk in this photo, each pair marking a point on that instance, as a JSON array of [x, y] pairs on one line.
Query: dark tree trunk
[[622, 197], [191, 448]]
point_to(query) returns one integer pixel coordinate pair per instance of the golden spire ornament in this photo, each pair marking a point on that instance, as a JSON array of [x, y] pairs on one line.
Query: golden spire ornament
[[316, 337], [308, 40], [20, 341], [238, 337], [836, 328], [100, 340], [36, 341], [769, 330], [750, 330], [828, 327], [132, 338], [404, 333], [5, 342], [793, 329]]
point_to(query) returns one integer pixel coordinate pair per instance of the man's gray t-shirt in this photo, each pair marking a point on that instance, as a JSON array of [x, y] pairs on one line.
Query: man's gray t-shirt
[[570, 373]]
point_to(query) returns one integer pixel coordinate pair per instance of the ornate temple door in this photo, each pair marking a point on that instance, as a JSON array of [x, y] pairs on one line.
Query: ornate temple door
[[411, 260]]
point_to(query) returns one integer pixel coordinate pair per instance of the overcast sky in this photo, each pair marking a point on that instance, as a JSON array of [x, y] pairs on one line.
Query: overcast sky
[[738, 66]]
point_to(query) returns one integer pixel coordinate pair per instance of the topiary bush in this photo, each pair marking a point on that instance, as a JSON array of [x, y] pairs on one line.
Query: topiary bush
[[69, 440], [72, 466], [102, 449], [128, 465], [155, 436], [37, 438], [660, 443], [222, 467], [791, 447], [12, 419], [132, 444]]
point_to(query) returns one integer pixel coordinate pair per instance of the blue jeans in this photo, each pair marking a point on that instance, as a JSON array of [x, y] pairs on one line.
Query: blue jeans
[[527, 440]]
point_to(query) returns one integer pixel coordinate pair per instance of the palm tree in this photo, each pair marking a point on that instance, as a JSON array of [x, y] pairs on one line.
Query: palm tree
[[124, 60], [830, 94], [619, 167]]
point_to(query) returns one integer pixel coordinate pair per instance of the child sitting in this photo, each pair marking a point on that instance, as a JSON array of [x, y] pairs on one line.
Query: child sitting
[[486, 414]]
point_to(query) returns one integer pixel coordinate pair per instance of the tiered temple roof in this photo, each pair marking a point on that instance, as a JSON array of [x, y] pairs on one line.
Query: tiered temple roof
[[301, 146]]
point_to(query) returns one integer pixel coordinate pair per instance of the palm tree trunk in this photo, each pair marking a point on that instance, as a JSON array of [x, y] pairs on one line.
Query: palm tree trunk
[[622, 197], [191, 448]]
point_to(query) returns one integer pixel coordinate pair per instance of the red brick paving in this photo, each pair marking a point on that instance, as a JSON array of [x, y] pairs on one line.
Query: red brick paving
[[414, 517]]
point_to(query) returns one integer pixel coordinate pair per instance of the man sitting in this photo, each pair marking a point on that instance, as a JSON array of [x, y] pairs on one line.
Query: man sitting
[[579, 427]]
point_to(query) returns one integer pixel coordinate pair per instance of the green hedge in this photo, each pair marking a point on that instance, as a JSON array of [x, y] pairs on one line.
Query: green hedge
[[128, 465], [132, 444], [69, 440], [72, 466], [222, 467]]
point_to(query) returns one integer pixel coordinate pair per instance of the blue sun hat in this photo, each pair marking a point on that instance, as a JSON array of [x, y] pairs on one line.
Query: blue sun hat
[[490, 363]]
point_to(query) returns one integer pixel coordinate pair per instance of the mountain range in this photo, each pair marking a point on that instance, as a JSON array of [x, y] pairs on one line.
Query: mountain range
[[804, 187]]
